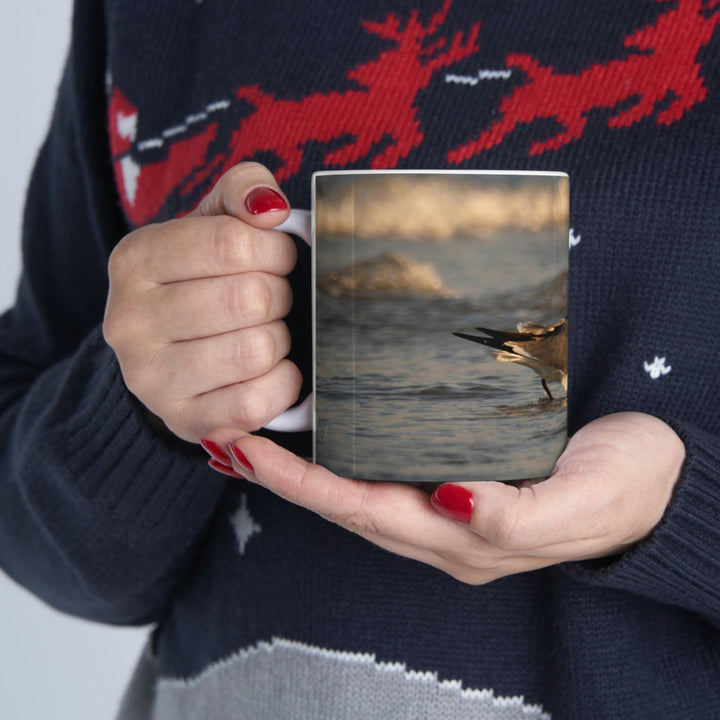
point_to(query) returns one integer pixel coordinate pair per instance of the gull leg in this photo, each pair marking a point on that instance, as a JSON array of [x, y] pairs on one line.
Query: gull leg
[[545, 387]]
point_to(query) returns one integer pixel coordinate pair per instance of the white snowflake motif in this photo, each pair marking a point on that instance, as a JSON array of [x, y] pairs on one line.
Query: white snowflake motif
[[573, 239], [657, 368], [244, 525]]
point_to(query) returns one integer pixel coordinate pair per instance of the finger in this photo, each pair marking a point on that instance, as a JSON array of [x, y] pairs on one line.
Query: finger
[[199, 247], [397, 516], [394, 516], [556, 518], [528, 518], [249, 192], [196, 367], [212, 306], [247, 406]]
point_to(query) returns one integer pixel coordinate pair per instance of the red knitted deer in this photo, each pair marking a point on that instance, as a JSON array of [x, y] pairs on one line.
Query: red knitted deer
[[381, 110], [379, 115], [662, 68]]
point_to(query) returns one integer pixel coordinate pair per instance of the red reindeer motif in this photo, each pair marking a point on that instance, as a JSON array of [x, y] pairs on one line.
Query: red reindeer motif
[[663, 68], [382, 108]]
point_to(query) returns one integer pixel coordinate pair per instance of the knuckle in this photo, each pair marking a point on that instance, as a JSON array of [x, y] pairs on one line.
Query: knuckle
[[118, 328], [231, 300], [251, 165], [286, 255], [129, 255], [124, 319], [249, 408], [257, 352], [238, 171], [296, 377], [119, 258], [253, 298], [357, 519], [300, 483], [285, 296], [292, 379], [125, 325], [236, 180], [227, 245], [113, 329], [508, 530], [243, 171], [504, 531]]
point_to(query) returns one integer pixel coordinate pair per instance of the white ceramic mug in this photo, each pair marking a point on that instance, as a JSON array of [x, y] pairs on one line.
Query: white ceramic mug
[[439, 324]]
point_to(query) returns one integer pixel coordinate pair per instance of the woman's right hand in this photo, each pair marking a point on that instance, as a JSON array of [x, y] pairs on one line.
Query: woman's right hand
[[195, 307]]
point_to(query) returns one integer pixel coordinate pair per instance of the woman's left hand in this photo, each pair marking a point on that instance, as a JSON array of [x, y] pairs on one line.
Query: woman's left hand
[[609, 489]]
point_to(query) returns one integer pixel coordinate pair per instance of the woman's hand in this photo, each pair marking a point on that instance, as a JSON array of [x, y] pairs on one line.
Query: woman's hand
[[608, 491], [195, 308]]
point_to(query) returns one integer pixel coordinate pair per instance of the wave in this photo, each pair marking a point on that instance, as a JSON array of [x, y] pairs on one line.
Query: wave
[[386, 275]]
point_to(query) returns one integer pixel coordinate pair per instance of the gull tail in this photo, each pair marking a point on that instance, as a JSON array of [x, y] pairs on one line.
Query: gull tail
[[496, 340]]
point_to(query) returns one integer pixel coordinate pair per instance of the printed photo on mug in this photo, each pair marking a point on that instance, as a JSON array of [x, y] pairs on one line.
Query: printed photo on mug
[[440, 331]]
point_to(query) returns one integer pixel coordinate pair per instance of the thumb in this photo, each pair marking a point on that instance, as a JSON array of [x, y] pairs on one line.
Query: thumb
[[490, 509], [248, 192], [521, 518]]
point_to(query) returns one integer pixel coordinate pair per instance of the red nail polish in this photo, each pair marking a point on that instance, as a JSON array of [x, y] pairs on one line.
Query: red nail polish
[[264, 199], [239, 456], [219, 467], [454, 502], [216, 452]]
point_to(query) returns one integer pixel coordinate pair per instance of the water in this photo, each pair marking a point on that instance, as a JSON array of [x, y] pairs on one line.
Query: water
[[398, 397]]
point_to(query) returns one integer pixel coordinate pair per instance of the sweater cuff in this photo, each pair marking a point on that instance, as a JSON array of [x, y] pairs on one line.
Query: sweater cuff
[[679, 563], [114, 456]]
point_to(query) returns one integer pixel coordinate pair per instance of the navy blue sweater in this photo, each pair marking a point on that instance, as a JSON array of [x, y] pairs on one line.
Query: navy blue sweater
[[261, 608]]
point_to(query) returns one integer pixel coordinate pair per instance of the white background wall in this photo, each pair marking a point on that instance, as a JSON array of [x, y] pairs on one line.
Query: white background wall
[[51, 666]]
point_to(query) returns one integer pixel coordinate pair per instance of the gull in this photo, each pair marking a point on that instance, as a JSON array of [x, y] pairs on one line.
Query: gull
[[542, 348]]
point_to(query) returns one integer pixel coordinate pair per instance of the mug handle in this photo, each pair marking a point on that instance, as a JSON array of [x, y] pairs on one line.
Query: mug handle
[[300, 417]]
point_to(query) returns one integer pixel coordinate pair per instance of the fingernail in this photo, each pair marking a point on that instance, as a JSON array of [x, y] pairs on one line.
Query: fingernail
[[264, 199], [239, 456], [454, 502], [216, 452], [224, 469]]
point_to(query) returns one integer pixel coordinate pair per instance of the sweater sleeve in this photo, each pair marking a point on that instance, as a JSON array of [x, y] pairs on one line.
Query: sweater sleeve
[[101, 513], [679, 563]]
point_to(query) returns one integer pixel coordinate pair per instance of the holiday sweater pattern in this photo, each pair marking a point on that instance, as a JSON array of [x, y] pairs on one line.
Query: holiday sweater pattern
[[377, 113], [261, 608]]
